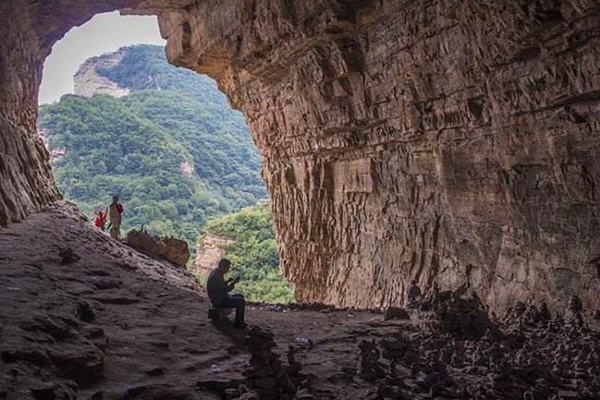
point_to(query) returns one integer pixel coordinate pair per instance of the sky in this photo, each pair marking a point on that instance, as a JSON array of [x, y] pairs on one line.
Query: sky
[[102, 34]]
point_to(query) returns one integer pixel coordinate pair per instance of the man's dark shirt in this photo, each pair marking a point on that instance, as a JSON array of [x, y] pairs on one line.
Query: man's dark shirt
[[217, 288]]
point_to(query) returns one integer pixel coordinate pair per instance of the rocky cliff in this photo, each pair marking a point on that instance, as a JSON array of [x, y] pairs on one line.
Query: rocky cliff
[[452, 142], [89, 82], [209, 251]]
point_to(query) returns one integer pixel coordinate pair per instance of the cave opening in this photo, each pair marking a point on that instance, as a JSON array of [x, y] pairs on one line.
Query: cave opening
[[390, 134], [118, 119], [351, 157]]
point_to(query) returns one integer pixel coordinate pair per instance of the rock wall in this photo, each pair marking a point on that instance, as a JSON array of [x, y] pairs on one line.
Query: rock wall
[[450, 141], [25, 179], [209, 251]]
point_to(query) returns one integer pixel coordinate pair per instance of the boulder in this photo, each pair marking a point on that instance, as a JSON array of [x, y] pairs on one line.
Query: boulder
[[168, 249], [395, 313]]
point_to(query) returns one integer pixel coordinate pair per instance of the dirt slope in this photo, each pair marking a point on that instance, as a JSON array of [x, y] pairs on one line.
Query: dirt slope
[[120, 324]]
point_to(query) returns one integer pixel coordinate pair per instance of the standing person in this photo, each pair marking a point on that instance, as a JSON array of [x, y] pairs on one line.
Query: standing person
[[100, 221], [218, 291], [414, 294], [114, 213]]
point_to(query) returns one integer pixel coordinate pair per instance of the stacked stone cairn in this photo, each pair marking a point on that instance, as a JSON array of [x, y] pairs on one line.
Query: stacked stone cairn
[[266, 373], [527, 354], [369, 367]]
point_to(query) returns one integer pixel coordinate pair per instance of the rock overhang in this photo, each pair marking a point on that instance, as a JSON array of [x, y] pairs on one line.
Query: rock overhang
[[399, 142]]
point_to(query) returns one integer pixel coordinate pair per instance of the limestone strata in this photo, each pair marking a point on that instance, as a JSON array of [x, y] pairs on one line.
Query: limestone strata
[[89, 82], [451, 142], [448, 141], [209, 250], [55, 154]]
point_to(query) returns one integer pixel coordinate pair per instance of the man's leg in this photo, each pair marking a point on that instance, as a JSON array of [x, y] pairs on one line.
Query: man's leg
[[118, 230], [238, 302], [240, 309]]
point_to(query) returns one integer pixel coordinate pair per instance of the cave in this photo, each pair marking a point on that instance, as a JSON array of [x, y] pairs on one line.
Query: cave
[[400, 140], [453, 143]]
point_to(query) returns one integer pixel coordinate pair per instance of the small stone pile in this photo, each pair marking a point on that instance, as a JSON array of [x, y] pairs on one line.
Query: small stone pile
[[573, 313], [522, 316], [266, 374], [369, 366], [528, 355]]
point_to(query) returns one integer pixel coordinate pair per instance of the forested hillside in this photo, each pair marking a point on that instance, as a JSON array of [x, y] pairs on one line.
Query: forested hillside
[[172, 149], [253, 253]]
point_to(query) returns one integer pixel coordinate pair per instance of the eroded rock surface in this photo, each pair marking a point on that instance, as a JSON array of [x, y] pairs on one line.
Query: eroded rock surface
[[448, 142], [445, 141], [209, 251], [89, 82], [169, 249]]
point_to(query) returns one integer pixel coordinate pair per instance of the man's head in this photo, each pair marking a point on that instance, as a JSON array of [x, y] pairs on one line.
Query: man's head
[[413, 282], [224, 265], [115, 199]]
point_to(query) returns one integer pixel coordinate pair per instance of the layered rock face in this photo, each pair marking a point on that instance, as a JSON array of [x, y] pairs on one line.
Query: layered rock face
[[451, 142], [209, 251], [25, 178], [88, 82]]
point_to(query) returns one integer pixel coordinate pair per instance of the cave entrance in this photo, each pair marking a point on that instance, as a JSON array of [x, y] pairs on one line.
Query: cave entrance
[[117, 118]]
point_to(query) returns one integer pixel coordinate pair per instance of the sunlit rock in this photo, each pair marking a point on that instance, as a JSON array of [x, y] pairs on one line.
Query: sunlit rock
[[169, 249]]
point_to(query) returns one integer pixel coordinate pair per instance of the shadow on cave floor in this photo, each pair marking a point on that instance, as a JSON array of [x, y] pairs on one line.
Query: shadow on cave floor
[[117, 325]]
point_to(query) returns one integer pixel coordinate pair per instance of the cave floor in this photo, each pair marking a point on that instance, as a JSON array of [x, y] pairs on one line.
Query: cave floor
[[124, 326]]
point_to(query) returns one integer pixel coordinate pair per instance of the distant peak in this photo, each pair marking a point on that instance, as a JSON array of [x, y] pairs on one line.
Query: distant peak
[[119, 73], [89, 82]]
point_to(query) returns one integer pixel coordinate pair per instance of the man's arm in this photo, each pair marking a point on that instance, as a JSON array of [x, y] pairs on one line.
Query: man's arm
[[231, 283]]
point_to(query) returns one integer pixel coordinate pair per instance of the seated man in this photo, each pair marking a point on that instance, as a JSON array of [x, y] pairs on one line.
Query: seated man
[[218, 292]]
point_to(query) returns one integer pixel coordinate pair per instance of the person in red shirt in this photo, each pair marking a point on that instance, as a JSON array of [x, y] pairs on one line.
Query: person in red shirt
[[100, 221]]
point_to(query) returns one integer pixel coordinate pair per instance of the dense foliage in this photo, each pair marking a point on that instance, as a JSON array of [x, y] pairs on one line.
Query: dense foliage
[[173, 149], [253, 253]]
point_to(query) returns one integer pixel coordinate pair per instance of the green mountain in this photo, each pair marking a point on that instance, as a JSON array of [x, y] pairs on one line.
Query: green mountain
[[253, 252], [170, 145]]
